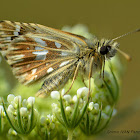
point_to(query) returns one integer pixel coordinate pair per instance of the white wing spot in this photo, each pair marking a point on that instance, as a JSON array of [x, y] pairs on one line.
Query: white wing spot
[[17, 28], [41, 55], [50, 70], [64, 53], [63, 63], [34, 71], [58, 45], [40, 41], [41, 52], [16, 33], [8, 38]]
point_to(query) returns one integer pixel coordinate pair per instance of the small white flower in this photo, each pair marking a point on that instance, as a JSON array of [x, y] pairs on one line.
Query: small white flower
[[63, 92], [68, 109], [114, 112], [12, 132], [31, 100], [74, 98], [24, 103], [67, 98], [52, 117], [104, 116], [81, 92], [55, 107], [10, 98], [55, 95], [49, 116], [23, 111], [11, 109], [107, 108], [96, 106], [17, 99], [91, 105], [43, 120]]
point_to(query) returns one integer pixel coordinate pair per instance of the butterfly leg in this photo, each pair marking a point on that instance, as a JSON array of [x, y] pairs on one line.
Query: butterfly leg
[[84, 81], [103, 67], [90, 74], [74, 77]]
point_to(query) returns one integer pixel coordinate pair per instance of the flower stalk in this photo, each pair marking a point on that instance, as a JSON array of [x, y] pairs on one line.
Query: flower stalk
[[70, 134]]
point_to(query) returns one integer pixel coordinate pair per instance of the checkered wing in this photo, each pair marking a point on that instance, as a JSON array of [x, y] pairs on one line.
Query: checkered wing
[[37, 52]]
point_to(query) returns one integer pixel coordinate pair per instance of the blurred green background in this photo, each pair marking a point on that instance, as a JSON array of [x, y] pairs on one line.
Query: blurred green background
[[104, 18]]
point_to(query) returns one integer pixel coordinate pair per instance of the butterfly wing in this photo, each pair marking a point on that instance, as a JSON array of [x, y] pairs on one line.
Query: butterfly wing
[[36, 52]]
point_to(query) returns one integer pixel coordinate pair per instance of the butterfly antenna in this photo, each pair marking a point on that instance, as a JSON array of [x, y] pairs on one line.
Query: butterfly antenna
[[137, 30], [123, 53]]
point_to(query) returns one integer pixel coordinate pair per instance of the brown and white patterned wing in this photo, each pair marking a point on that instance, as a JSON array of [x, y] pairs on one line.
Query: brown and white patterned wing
[[36, 52]]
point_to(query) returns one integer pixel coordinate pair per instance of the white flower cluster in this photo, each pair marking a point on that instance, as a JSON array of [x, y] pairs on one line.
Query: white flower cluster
[[92, 106], [48, 122], [25, 105], [81, 92], [68, 100], [21, 113]]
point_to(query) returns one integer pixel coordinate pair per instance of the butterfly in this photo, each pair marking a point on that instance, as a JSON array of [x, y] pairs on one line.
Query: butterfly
[[36, 52]]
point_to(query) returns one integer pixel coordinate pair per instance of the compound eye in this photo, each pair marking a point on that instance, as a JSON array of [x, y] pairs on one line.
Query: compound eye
[[104, 49]]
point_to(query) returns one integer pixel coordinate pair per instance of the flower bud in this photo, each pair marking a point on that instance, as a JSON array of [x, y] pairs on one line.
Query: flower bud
[[17, 99], [114, 112], [81, 92], [91, 105], [67, 98], [10, 98], [24, 103], [12, 132], [55, 95], [68, 109], [11, 109], [96, 106], [55, 107], [63, 92], [23, 111], [74, 98], [31, 100]]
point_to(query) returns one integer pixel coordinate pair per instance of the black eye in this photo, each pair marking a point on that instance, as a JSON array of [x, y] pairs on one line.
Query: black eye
[[104, 49]]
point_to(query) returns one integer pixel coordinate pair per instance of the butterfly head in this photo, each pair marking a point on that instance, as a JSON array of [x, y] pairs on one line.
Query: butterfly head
[[107, 48]]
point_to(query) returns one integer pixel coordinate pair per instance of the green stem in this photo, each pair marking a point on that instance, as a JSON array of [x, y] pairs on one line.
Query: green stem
[[70, 133], [24, 137]]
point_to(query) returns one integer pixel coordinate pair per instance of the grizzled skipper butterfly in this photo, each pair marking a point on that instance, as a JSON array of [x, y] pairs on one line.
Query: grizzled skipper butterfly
[[37, 52]]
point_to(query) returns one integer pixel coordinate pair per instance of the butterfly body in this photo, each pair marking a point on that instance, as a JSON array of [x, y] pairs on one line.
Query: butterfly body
[[36, 52]]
